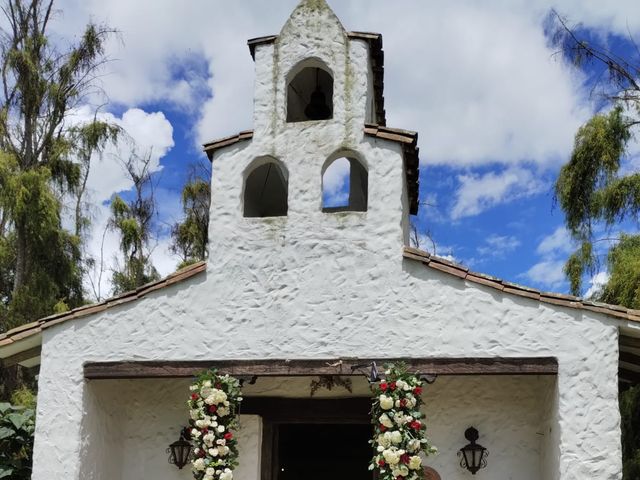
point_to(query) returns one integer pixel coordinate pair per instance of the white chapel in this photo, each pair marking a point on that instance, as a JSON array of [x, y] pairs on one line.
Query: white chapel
[[295, 290]]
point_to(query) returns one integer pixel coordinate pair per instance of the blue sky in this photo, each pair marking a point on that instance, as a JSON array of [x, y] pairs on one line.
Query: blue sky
[[495, 108]]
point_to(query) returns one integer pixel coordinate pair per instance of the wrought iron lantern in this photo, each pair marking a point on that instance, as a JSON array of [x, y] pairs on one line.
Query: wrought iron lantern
[[473, 456], [180, 451]]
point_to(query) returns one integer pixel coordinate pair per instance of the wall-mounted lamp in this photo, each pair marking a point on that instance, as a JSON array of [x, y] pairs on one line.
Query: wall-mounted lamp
[[473, 456], [180, 451]]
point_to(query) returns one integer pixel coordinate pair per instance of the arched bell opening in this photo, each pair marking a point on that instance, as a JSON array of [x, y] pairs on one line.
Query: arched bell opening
[[310, 93], [345, 186], [266, 190]]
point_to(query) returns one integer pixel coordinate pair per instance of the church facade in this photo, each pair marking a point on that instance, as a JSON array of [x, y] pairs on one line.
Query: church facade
[[294, 290]]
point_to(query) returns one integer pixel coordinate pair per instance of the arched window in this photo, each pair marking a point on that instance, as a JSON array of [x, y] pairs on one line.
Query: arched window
[[345, 186], [266, 190], [310, 92]]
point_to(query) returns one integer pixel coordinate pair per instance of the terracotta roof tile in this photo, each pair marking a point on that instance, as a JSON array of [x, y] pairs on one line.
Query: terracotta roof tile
[[211, 147], [559, 299]]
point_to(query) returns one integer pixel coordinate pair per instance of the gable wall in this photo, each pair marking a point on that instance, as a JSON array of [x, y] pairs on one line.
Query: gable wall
[[316, 299]]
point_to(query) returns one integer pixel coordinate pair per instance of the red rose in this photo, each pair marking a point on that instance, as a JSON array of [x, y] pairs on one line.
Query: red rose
[[383, 428], [382, 463], [417, 390], [201, 453], [403, 402], [399, 477], [217, 385], [393, 385], [228, 436], [205, 431], [416, 425], [383, 386], [213, 409], [405, 458], [194, 396]]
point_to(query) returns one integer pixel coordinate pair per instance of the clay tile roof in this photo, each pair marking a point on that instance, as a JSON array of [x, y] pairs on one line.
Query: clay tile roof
[[34, 328], [211, 147], [376, 54], [409, 142], [559, 299]]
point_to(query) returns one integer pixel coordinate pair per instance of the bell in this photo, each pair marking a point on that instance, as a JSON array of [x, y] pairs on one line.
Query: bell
[[317, 108]]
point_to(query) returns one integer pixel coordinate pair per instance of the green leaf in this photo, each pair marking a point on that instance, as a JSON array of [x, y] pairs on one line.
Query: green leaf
[[5, 472], [4, 407], [17, 419], [6, 432]]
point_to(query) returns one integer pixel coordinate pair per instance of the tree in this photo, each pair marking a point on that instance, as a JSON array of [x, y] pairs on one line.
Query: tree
[[133, 220], [40, 85], [191, 236], [591, 188]]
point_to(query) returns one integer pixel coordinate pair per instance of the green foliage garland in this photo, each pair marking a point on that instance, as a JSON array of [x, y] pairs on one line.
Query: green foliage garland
[[399, 426], [214, 405]]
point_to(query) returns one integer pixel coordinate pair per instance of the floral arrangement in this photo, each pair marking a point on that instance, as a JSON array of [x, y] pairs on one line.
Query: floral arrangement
[[214, 404], [399, 426]]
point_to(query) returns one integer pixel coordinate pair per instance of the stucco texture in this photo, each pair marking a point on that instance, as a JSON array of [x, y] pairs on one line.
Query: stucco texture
[[318, 285]]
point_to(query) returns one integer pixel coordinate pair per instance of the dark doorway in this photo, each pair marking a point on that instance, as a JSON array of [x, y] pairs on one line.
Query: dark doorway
[[323, 451]]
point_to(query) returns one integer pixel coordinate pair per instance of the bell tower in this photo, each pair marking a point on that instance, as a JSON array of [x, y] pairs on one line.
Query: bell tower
[[318, 102]]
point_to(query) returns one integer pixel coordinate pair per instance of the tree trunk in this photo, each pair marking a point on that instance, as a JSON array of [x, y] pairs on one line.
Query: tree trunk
[[21, 257]]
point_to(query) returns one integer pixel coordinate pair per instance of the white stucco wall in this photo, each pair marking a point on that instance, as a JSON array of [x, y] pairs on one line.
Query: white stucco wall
[[315, 285]]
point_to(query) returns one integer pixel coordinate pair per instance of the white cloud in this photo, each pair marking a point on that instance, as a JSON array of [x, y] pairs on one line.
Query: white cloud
[[479, 81], [596, 283], [498, 246], [553, 251], [559, 242], [548, 273], [478, 193]]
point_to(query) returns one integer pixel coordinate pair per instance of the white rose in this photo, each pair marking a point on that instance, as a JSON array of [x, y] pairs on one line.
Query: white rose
[[386, 403], [385, 420], [403, 470], [391, 456], [193, 388], [384, 440], [400, 419], [223, 411], [396, 437], [221, 428], [195, 433], [380, 449], [226, 475], [208, 439], [199, 464], [221, 441], [211, 471], [413, 445], [207, 477], [415, 462], [194, 414], [205, 391], [213, 452], [223, 450]]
